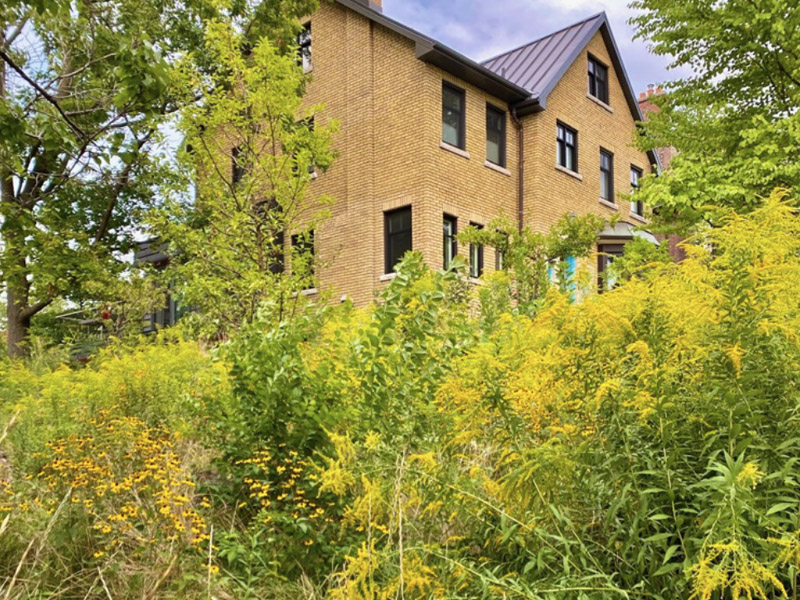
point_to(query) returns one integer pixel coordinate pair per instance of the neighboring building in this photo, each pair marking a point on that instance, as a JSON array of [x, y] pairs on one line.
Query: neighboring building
[[432, 141], [665, 156]]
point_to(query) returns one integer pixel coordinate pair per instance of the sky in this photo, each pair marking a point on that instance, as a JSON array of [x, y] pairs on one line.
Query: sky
[[481, 29]]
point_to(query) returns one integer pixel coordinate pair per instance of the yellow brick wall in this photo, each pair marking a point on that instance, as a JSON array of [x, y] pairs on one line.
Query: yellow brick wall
[[550, 193], [388, 104]]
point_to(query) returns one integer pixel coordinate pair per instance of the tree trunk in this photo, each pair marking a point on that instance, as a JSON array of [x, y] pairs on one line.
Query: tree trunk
[[19, 322]]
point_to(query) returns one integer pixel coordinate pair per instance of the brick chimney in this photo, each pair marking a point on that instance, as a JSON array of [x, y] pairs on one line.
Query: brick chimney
[[376, 5], [645, 98]]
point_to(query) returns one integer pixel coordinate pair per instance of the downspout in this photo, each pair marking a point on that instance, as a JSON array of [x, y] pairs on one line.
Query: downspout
[[520, 169]]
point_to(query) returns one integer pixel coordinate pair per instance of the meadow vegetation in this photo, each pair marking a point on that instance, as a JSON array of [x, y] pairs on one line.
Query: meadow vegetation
[[637, 443]]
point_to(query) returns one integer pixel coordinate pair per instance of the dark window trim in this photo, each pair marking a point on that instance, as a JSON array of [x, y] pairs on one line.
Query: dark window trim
[[606, 253], [462, 117], [237, 171], [601, 94], [387, 261], [453, 240], [610, 155], [496, 109], [574, 132], [638, 204], [475, 271]]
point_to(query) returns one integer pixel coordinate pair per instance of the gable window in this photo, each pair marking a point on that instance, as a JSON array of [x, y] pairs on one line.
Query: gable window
[[637, 206], [567, 143], [397, 236], [598, 80], [606, 175], [303, 250], [476, 256], [453, 124], [237, 165], [450, 244], [495, 135], [304, 48]]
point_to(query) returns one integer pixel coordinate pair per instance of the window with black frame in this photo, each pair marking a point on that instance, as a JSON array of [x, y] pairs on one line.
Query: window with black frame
[[567, 146], [453, 117], [606, 175], [476, 256], [238, 166], [598, 80], [397, 236], [495, 135], [606, 254], [304, 48], [303, 251], [449, 242], [637, 206]]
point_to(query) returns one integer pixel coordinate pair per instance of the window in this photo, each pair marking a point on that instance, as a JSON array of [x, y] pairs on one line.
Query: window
[[637, 206], [598, 80], [397, 236], [453, 116], [567, 147], [304, 48], [606, 253], [606, 175], [476, 256], [303, 250], [495, 135], [238, 168], [276, 266], [450, 244]]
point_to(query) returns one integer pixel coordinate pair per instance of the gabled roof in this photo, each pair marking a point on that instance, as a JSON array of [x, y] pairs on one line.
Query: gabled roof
[[539, 65]]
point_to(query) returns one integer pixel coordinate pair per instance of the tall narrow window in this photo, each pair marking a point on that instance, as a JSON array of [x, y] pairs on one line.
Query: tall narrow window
[[598, 80], [476, 256], [397, 236], [304, 48], [567, 144], [276, 265], [303, 252], [237, 165], [606, 175], [606, 253], [637, 206], [450, 244], [495, 135], [453, 116]]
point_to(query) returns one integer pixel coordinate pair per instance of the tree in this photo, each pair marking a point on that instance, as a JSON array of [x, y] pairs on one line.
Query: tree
[[86, 91], [253, 149], [735, 121]]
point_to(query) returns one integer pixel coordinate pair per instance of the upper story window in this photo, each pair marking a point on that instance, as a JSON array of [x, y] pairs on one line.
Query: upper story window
[[476, 256], [567, 142], [495, 135], [304, 48], [450, 244], [598, 80], [606, 175], [453, 122], [637, 206], [397, 236]]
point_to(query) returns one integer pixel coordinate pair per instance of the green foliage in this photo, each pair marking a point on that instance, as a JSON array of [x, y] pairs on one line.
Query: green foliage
[[253, 149], [735, 120]]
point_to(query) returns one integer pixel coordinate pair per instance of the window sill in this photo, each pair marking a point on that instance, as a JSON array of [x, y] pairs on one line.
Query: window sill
[[497, 168], [307, 70], [309, 292], [387, 276], [577, 176], [454, 149], [475, 281], [314, 175], [638, 217], [600, 103], [608, 204]]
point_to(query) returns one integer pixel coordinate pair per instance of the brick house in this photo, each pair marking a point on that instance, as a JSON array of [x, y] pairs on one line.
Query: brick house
[[432, 141]]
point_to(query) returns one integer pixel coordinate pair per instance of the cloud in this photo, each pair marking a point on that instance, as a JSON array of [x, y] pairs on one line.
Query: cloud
[[481, 29]]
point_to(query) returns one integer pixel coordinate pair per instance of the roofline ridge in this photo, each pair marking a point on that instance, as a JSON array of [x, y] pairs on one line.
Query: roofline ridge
[[602, 13]]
